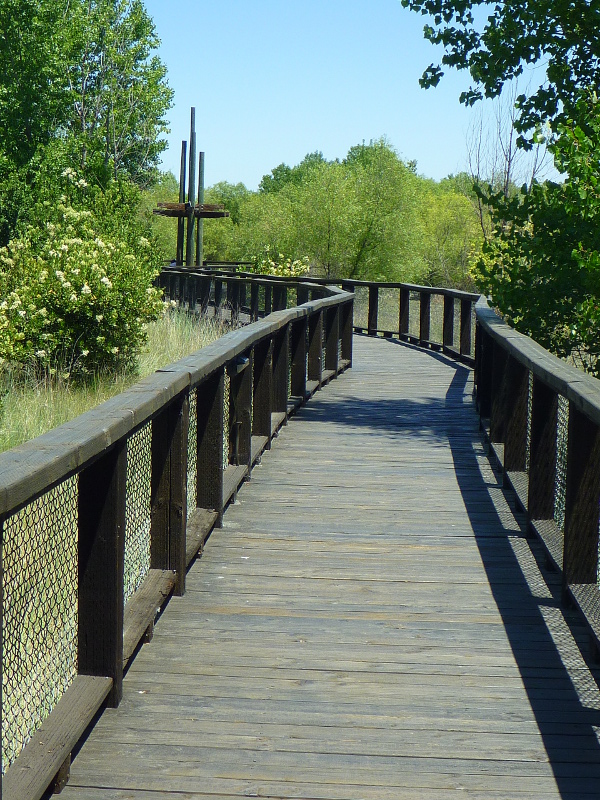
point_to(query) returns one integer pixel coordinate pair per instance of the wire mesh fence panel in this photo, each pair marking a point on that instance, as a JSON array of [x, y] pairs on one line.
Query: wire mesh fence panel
[[226, 407], [388, 310], [456, 327], [192, 455], [529, 415], [436, 330], [137, 510], [560, 485], [39, 630], [414, 315], [361, 306]]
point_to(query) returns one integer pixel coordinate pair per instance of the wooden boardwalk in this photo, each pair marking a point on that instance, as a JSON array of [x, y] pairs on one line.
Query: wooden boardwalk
[[370, 623]]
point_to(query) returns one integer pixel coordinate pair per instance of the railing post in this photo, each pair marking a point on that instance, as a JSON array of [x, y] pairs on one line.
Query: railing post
[[465, 327], [332, 333], [499, 408], [254, 296], [301, 294], [218, 295], [204, 293], [210, 398], [299, 350], [448, 335], [315, 347], [193, 292], [582, 500], [542, 451], [373, 310], [169, 490], [517, 395], [233, 299], [240, 404], [404, 314], [279, 297], [485, 362], [347, 331], [262, 407], [281, 350], [101, 557], [424, 318], [268, 298]]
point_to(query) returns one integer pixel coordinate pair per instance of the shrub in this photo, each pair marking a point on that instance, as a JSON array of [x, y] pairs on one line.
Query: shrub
[[74, 300]]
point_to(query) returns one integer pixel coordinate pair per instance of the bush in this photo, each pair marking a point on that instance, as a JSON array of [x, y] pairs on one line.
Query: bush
[[74, 300]]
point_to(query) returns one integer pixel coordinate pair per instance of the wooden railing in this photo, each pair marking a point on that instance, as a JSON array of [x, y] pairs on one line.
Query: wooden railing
[[102, 516], [441, 319], [542, 417]]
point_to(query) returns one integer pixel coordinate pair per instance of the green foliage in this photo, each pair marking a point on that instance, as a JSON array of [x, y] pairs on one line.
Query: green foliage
[[496, 42], [72, 300], [277, 264], [369, 216], [541, 264]]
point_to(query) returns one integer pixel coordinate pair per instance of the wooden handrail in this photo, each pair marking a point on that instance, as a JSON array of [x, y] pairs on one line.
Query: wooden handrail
[[542, 418], [457, 343]]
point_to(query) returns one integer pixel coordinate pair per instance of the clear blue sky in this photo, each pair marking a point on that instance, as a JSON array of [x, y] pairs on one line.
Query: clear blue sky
[[273, 80]]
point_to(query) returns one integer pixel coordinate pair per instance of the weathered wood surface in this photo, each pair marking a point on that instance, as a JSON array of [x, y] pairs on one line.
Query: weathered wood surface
[[369, 623]]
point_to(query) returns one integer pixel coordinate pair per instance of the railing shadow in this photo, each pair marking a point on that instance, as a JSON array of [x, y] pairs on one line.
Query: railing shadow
[[560, 687]]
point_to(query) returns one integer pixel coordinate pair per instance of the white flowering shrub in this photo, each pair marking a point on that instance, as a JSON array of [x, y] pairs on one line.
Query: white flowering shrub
[[281, 266], [73, 299]]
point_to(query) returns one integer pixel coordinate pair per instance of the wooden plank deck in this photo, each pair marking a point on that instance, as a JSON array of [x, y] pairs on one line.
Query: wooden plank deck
[[370, 623]]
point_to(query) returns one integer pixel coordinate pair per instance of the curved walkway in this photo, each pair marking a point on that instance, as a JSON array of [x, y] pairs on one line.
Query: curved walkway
[[370, 623]]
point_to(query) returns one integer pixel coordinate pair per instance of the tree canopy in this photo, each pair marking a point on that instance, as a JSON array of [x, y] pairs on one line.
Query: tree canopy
[[541, 266]]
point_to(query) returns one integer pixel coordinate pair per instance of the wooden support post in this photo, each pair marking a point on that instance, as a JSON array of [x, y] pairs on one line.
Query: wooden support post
[[210, 400], [299, 352], [404, 314], [268, 298], [240, 404], [332, 338], [254, 297], [485, 361], [218, 295], [373, 310], [448, 335], [281, 355], [347, 330], [279, 297], [466, 307], [242, 294], [315, 347], [301, 294], [181, 221], [517, 395], [101, 561], [425, 318], [233, 299], [499, 394], [204, 293], [169, 490], [542, 451], [262, 406], [190, 239], [582, 500]]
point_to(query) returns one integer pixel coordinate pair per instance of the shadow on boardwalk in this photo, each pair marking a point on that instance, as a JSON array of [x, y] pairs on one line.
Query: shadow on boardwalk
[[547, 641]]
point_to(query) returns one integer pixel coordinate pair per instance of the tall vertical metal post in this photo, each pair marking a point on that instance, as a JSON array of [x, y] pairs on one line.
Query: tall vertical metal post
[[200, 221], [189, 246], [181, 221]]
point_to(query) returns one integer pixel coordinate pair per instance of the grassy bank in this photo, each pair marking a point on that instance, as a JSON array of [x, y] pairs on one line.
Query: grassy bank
[[30, 405]]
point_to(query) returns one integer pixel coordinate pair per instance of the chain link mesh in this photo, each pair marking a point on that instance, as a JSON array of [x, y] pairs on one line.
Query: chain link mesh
[[226, 406], [39, 633], [192, 455], [414, 315], [560, 485], [529, 413], [436, 333], [137, 510]]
